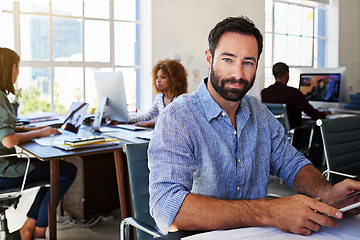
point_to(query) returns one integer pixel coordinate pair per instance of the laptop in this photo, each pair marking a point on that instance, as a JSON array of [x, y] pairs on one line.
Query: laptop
[[70, 126], [75, 117]]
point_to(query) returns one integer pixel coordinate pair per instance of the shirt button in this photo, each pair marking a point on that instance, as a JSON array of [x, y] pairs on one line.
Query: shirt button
[[239, 160], [238, 188], [223, 114], [234, 132]]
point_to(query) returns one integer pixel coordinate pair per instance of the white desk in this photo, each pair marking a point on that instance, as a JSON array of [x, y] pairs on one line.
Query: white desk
[[349, 229]]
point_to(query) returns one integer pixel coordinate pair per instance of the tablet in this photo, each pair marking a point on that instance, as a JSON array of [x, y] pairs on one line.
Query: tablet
[[347, 203]]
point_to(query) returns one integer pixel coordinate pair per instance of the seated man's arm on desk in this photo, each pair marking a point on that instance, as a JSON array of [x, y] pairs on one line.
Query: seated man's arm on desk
[[25, 134], [290, 214], [293, 214], [173, 206], [306, 107]]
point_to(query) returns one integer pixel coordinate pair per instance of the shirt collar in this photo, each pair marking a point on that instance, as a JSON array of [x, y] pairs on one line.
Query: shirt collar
[[211, 108]]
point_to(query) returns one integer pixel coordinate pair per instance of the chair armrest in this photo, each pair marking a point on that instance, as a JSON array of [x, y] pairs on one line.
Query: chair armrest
[[137, 224], [273, 195], [327, 173], [26, 169]]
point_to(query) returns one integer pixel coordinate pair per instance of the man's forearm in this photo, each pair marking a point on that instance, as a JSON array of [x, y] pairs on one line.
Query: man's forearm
[[204, 213], [309, 181], [297, 214]]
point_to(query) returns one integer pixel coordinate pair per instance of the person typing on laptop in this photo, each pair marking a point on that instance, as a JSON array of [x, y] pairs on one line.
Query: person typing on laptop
[[12, 171], [169, 81]]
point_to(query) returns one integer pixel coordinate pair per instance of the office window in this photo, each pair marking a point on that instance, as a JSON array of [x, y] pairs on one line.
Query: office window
[[62, 44], [294, 34]]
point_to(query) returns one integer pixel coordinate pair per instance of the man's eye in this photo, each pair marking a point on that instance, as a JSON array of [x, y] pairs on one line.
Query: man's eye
[[227, 59], [248, 63]]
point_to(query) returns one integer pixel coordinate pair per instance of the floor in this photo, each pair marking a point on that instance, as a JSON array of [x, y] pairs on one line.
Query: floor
[[106, 226]]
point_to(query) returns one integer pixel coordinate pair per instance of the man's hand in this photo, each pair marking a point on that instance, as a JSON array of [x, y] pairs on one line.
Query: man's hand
[[146, 124], [342, 189], [296, 214], [301, 214]]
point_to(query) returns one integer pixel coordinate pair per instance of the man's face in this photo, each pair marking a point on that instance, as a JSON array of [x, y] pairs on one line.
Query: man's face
[[233, 66]]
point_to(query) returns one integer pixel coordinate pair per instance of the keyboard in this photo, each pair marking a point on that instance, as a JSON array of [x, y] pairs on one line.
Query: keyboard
[[340, 115], [344, 111]]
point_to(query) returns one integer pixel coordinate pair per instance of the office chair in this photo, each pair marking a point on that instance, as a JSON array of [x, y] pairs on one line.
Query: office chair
[[341, 138], [10, 196], [280, 112], [137, 161]]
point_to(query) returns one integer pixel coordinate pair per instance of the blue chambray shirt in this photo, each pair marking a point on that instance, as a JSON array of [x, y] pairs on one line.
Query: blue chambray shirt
[[195, 149]]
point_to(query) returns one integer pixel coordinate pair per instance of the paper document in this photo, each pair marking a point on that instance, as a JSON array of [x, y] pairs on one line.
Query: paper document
[[255, 233], [131, 127], [145, 135], [104, 129], [53, 139]]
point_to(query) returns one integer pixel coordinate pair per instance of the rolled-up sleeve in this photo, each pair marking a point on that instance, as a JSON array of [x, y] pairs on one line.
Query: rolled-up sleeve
[[6, 123], [171, 169]]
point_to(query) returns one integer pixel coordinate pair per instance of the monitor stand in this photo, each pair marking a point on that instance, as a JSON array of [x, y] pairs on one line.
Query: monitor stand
[[99, 113]]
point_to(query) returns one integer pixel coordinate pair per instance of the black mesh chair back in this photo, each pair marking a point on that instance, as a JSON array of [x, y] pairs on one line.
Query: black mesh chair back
[[137, 161], [341, 137]]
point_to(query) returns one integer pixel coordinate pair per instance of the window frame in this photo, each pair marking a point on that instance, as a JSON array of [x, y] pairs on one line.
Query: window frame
[[269, 58], [51, 63]]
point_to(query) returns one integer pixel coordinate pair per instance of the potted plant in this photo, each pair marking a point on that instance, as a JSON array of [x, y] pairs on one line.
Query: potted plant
[[15, 102]]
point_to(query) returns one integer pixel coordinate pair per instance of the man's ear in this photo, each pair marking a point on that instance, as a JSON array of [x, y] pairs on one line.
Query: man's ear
[[208, 57]]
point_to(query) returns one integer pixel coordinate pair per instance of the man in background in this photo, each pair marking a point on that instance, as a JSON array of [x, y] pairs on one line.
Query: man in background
[[296, 103]]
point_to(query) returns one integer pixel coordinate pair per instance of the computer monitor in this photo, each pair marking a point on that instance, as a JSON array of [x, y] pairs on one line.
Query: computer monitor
[[334, 87], [111, 98], [323, 87]]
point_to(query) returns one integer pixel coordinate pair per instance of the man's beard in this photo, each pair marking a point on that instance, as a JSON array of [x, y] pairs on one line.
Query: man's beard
[[233, 94]]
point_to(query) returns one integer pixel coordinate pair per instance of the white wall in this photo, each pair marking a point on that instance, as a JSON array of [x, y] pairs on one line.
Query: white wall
[[181, 27], [349, 41]]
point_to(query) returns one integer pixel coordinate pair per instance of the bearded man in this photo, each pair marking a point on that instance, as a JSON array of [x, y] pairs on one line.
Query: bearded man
[[212, 152]]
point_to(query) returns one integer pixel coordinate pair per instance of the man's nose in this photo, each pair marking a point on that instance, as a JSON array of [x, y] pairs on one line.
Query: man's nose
[[237, 71]]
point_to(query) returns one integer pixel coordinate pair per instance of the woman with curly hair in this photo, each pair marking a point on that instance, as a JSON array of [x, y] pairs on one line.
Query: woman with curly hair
[[169, 81]]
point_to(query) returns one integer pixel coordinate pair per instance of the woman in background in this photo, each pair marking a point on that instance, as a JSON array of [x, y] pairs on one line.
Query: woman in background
[[12, 169], [169, 82]]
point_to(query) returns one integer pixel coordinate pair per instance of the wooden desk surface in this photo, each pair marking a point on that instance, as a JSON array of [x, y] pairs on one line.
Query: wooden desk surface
[[53, 154], [49, 152]]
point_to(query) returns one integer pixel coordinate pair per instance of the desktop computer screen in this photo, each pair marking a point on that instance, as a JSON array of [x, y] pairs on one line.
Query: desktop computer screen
[[111, 97], [323, 87]]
